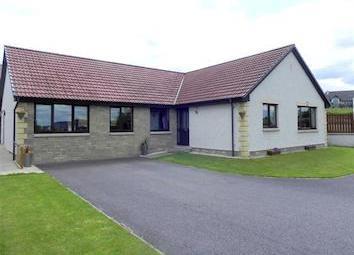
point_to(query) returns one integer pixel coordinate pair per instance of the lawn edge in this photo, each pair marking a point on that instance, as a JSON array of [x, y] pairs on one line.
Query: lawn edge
[[130, 231]]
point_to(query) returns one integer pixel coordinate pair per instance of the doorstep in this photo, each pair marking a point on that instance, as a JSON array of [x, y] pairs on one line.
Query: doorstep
[[155, 154]]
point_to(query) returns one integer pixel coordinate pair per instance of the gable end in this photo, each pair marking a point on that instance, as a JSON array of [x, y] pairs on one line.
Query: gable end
[[305, 68]]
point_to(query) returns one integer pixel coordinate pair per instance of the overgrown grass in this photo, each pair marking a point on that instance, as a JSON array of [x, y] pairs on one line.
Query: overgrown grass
[[321, 163], [339, 111], [39, 216]]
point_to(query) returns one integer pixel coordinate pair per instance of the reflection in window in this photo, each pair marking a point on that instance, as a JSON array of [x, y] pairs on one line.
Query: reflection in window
[[306, 117], [62, 118], [121, 119], [80, 119], [43, 118], [269, 116], [159, 119]]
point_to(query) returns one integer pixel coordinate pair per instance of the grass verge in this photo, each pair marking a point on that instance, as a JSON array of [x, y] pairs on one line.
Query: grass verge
[[322, 163], [40, 216]]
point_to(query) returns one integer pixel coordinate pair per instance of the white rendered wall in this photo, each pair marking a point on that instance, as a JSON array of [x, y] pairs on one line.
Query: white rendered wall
[[7, 117], [210, 127], [341, 140], [288, 86]]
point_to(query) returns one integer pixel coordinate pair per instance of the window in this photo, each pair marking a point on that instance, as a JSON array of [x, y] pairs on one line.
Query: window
[[159, 119], [335, 101], [61, 118], [270, 116], [121, 119], [80, 118], [43, 118], [306, 117]]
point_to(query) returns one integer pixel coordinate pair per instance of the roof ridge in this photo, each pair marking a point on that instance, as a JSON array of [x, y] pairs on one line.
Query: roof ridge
[[179, 89], [333, 91], [248, 56], [87, 58], [152, 68]]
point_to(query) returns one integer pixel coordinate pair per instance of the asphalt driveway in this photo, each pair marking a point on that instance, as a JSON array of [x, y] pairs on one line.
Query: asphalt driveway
[[183, 210]]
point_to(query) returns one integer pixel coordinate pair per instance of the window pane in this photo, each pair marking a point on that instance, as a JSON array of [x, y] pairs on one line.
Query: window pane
[[62, 118], [265, 116], [272, 116], [269, 116], [306, 117], [43, 118], [121, 119], [159, 119], [114, 116], [80, 118], [313, 117]]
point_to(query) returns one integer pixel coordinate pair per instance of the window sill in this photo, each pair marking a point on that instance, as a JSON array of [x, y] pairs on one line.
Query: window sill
[[308, 131], [271, 129], [61, 134], [160, 132], [121, 133]]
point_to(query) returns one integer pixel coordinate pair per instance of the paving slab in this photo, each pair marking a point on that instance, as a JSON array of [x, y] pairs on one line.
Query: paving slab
[[8, 166]]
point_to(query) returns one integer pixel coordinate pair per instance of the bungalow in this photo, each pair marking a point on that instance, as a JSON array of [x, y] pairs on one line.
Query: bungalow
[[71, 108], [343, 98]]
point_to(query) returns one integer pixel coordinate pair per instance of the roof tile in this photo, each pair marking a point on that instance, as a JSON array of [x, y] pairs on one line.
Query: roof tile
[[37, 74]]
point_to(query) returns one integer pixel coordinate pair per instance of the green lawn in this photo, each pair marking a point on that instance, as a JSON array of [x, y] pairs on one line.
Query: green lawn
[[39, 216], [321, 163], [339, 111]]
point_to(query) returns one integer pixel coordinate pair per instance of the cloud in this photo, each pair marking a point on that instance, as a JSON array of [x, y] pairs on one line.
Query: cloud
[[181, 35], [335, 84], [343, 71], [346, 42]]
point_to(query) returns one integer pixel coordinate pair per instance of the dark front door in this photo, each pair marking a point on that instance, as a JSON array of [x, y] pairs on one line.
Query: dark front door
[[182, 126]]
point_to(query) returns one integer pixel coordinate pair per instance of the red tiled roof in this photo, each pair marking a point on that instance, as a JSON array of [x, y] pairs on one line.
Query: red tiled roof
[[36, 74], [47, 75], [231, 79]]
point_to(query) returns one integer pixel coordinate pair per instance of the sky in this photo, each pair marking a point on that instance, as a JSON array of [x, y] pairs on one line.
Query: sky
[[185, 35]]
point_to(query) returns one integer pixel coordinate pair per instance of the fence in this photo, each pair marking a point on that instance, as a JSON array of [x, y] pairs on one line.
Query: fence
[[340, 123]]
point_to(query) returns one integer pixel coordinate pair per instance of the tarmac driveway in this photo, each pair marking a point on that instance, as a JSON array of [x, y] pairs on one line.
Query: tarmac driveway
[[182, 210]]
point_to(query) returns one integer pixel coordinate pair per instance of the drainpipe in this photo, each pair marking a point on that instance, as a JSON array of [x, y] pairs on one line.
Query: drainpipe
[[14, 134], [232, 129]]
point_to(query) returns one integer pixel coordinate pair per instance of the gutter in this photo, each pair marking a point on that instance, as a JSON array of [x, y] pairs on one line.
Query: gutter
[[14, 134], [232, 129]]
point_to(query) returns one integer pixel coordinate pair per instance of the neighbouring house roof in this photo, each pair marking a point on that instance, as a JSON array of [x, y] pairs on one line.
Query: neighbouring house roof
[[37, 74], [343, 95]]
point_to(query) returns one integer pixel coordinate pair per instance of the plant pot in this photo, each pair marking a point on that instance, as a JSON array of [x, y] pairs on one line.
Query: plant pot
[[28, 160], [273, 152], [144, 149]]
